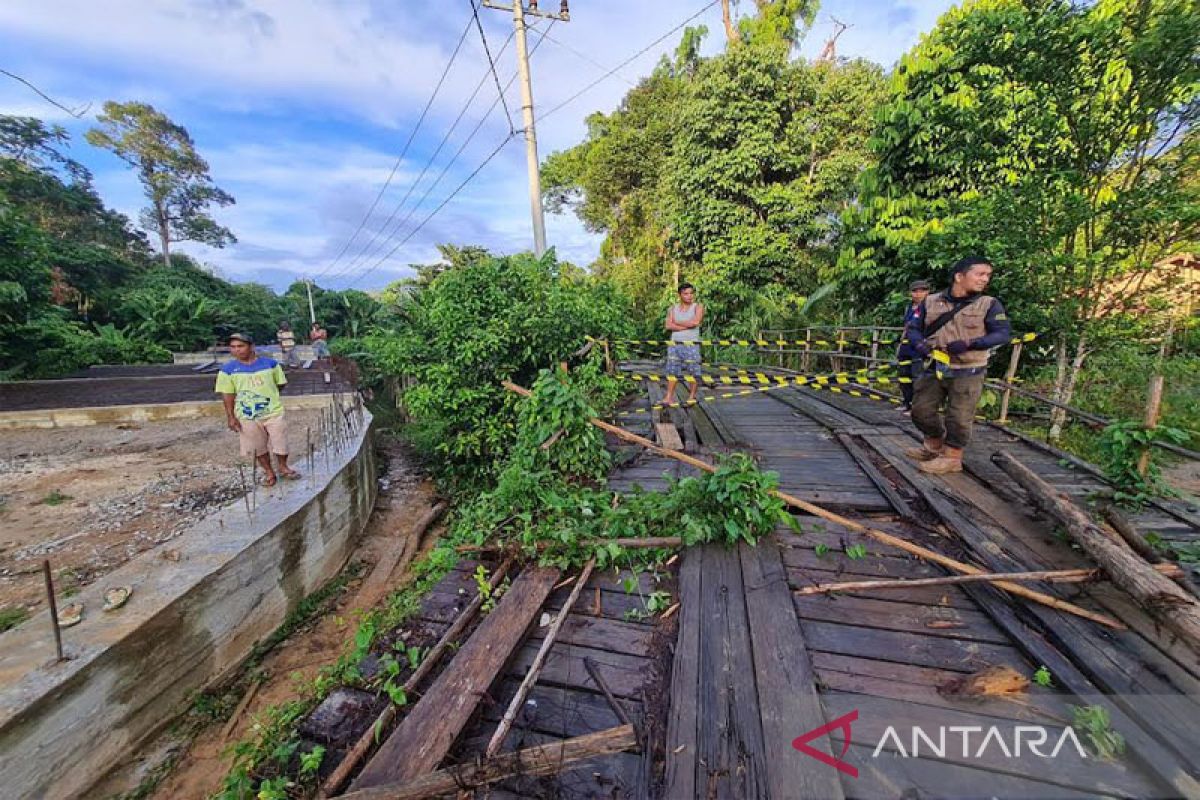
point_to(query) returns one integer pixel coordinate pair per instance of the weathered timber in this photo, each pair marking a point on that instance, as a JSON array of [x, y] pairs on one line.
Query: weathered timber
[[1178, 611], [1127, 531], [878, 535], [682, 752], [1067, 664], [425, 735], [531, 677], [668, 435], [542, 760], [1049, 575], [377, 582], [783, 672]]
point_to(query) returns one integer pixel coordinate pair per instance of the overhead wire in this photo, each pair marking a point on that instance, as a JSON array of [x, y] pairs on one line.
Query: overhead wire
[[369, 251], [625, 63], [404, 152], [579, 53], [492, 63]]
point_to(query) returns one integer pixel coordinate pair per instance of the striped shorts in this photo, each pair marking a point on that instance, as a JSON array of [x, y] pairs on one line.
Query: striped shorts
[[683, 359]]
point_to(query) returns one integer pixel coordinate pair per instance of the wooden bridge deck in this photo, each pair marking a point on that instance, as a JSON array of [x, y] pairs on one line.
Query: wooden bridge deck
[[746, 666]]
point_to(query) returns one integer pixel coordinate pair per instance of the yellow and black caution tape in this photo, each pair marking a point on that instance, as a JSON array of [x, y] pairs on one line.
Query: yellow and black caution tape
[[1023, 338], [835, 388], [839, 378]]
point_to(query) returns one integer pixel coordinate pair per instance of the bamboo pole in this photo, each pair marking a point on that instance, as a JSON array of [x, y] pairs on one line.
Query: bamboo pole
[[514, 707], [360, 749], [1013, 360], [845, 522], [1050, 576]]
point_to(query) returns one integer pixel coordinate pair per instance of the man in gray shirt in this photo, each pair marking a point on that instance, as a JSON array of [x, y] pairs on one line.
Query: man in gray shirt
[[683, 354]]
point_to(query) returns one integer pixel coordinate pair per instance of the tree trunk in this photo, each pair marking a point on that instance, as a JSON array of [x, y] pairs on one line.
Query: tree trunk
[[731, 31], [164, 235], [1171, 606], [1066, 379]]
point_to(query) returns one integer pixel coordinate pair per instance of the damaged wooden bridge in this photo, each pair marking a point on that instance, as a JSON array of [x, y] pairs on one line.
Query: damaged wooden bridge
[[761, 682]]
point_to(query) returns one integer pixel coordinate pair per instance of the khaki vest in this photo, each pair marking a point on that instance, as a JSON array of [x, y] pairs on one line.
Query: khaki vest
[[967, 324]]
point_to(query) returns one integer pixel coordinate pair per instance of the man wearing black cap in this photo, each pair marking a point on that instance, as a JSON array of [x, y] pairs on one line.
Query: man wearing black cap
[[917, 292], [959, 327], [250, 385]]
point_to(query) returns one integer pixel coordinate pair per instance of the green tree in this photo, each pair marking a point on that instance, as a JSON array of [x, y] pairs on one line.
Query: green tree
[[173, 175], [1056, 138]]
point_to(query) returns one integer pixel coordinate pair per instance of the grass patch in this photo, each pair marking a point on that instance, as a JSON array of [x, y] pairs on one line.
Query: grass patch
[[12, 617], [55, 498]]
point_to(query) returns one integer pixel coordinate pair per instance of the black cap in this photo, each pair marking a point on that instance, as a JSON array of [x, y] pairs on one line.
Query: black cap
[[241, 337], [915, 285]]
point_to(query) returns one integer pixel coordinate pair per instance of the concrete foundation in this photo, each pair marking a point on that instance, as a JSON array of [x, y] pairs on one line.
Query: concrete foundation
[[199, 605]]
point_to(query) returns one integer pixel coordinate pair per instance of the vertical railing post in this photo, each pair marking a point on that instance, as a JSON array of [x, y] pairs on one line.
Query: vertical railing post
[[1013, 360]]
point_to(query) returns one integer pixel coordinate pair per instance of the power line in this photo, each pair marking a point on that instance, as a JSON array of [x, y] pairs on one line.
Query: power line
[[442, 205], [586, 58], [77, 113], [626, 62], [445, 169], [404, 152], [369, 250], [492, 63]]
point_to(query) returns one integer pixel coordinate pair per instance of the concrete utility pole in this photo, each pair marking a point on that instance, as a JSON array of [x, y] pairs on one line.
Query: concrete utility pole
[[519, 11], [311, 313]]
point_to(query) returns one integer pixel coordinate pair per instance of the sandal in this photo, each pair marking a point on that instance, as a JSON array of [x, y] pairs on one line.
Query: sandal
[[291, 475], [269, 482]]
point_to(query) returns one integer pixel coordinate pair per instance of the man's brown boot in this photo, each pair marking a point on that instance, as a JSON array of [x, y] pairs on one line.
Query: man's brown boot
[[949, 461], [927, 452]]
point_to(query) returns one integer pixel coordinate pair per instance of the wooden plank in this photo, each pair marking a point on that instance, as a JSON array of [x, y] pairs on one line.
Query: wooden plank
[[668, 435], [554, 710], [953, 623], [682, 734], [910, 648], [876, 565], [625, 674], [948, 596], [783, 673], [599, 633], [731, 761], [614, 775], [426, 733]]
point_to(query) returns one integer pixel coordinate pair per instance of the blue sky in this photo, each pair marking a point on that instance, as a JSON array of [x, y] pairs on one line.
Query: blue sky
[[302, 108]]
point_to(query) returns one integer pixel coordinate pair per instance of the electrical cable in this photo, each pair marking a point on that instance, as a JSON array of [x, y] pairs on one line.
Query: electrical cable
[[404, 152]]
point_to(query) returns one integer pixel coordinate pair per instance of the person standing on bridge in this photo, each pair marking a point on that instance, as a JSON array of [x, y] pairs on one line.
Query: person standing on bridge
[[250, 385], [963, 324], [917, 292], [683, 354]]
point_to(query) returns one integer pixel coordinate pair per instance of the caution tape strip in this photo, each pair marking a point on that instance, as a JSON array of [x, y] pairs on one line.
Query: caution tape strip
[[1023, 338], [768, 380], [756, 390]]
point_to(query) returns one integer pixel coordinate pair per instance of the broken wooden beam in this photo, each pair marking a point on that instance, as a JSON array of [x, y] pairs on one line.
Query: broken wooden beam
[[846, 522], [1049, 575], [1164, 600], [545, 759], [359, 751], [425, 735], [531, 676]]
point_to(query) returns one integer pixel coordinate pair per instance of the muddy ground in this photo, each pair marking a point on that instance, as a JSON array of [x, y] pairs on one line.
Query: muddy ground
[[201, 761], [90, 499]]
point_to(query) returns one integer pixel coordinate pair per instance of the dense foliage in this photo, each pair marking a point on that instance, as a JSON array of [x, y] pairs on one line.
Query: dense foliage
[[79, 284], [488, 320], [729, 172]]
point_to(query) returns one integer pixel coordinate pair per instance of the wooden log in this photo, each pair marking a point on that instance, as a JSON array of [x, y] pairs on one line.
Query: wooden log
[[518, 701], [1153, 407], [545, 759], [1129, 533], [1164, 600], [424, 736], [846, 522], [356, 754], [1050, 576], [1013, 360]]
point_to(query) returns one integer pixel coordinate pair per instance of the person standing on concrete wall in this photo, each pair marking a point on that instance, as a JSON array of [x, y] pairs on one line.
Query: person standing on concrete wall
[[253, 408], [964, 324], [287, 343]]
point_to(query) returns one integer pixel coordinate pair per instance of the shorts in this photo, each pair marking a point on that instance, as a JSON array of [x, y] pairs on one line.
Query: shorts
[[264, 436], [683, 359]]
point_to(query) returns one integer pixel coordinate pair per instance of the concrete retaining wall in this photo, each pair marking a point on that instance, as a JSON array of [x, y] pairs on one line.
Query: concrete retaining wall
[[153, 412], [189, 623]]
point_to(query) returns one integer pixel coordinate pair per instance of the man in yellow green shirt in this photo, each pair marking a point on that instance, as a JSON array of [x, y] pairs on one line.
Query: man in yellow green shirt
[[250, 386]]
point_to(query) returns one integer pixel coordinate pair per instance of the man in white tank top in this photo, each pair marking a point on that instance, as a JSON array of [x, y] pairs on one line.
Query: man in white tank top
[[683, 354]]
